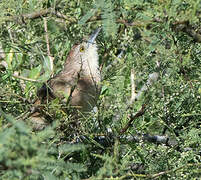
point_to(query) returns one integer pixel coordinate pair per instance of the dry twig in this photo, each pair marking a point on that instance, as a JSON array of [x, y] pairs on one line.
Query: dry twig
[[26, 79], [132, 118], [48, 46]]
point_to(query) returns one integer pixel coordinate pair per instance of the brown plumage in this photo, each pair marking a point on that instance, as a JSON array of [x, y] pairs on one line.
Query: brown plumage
[[78, 83]]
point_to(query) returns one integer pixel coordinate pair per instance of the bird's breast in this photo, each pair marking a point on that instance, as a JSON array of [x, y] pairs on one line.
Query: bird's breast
[[85, 94]]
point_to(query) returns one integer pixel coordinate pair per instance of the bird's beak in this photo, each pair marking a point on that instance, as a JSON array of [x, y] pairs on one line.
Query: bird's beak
[[92, 38]]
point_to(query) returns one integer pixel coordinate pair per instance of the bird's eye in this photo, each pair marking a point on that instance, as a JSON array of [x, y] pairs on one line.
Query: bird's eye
[[82, 49]]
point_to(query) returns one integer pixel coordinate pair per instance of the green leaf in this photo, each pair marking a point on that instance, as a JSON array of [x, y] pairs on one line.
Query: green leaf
[[109, 19], [87, 16], [35, 72], [49, 176]]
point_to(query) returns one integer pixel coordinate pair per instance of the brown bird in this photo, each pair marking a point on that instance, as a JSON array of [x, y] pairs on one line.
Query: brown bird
[[78, 83]]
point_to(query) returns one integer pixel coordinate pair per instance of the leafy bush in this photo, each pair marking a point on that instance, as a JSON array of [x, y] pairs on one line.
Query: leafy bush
[[121, 140]]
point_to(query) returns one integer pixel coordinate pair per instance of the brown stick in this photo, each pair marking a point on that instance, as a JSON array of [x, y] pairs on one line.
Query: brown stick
[[38, 14], [132, 118]]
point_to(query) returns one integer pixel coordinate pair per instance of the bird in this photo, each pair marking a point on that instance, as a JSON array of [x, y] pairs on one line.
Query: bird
[[77, 84]]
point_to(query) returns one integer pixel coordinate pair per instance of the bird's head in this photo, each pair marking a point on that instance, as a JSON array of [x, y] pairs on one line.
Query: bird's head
[[85, 55]]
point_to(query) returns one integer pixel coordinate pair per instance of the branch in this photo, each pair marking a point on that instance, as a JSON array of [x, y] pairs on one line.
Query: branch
[[109, 139], [132, 118], [177, 25], [21, 18], [38, 14], [183, 26]]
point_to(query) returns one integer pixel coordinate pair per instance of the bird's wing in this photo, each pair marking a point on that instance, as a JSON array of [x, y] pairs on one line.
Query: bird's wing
[[59, 86]]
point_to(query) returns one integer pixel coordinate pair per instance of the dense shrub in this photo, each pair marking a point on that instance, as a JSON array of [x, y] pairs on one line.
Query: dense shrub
[[154, 37]]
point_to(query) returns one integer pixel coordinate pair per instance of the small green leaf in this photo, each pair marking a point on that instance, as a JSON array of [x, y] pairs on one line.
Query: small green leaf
[[34, 73], [49, 176], [104, 89]]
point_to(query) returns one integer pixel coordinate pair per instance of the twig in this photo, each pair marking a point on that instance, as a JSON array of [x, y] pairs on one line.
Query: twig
[[38, 14], [46, 37], [60, 15], [11, 38], [48, 46], [132, 118], [21, 18], [152, 78], [133, 94], [26, 79]]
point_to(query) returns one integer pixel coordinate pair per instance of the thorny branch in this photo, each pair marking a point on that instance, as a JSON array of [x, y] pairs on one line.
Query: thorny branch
[[38, 14], [183, 26]]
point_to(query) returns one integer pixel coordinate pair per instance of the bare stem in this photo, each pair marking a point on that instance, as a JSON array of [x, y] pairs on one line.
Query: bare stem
[[133, 94], [48, 45], [26, 79]]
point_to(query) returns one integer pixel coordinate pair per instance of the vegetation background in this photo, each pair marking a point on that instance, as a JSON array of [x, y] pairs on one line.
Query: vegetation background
[[156, 135]]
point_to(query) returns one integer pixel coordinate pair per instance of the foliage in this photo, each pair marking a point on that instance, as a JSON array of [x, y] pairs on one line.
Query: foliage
[[24, 155], [107, 15], [160, 36]]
